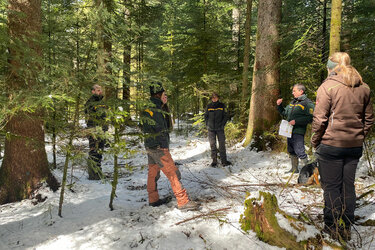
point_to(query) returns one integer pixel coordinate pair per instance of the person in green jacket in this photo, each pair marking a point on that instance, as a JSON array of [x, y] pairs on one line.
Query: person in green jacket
[[298, 113]]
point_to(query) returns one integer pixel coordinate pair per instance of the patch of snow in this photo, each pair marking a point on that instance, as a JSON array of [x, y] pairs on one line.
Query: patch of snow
[[88, 223]]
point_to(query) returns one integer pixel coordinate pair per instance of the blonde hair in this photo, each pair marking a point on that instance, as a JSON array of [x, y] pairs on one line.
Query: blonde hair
[[344, 69]]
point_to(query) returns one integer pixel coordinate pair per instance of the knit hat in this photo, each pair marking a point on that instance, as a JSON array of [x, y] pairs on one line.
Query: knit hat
[[156, 88]]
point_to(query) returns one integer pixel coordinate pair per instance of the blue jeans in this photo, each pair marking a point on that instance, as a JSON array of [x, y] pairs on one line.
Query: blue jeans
[[296, 146]]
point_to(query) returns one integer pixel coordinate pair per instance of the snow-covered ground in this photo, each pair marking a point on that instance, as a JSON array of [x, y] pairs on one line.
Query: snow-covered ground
[[88, 223]]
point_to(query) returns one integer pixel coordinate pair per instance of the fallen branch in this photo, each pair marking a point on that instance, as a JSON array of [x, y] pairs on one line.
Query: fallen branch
[[365, 194], [264, 185], [203, 215]]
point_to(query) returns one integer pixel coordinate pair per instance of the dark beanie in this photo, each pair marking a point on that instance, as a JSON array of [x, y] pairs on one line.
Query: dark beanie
[[156, 88]]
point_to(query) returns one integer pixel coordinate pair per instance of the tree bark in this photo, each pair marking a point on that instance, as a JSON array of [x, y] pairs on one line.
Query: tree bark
[[104, 57], [260, 217], [25, 163], [236, 34], [127, 59], [246, 60], [334, 39], [266, 74]]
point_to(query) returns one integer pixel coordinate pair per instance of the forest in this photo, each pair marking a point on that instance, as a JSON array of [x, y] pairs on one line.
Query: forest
[[250, 52]]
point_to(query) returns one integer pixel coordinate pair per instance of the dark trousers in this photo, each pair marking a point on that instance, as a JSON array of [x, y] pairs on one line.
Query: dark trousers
[[296, 146], [95, 157], [222, 150], [337, 167]]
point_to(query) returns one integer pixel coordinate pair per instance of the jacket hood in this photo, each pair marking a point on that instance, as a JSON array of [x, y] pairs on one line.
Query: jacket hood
[[338, 78]]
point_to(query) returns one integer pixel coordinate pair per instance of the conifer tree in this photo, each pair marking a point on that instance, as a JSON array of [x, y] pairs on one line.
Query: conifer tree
[[266, 76], [25, 163]]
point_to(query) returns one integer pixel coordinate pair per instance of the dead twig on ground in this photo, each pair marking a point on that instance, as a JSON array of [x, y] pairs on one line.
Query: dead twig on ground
[[203, 215], [264, 185]]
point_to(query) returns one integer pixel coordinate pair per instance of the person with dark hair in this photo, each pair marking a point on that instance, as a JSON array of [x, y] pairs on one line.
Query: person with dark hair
[[95, 111], [298, 113], [156, 131], [342, 118], [215, 118]]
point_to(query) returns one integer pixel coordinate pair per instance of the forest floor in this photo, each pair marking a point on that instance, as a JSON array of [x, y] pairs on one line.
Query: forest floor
[[88, 223]]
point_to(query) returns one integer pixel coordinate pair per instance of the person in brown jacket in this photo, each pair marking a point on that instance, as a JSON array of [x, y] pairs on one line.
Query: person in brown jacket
[[343, 116]]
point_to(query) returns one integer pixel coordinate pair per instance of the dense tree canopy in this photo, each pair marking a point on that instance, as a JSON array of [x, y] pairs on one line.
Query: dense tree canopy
[[193, 47]]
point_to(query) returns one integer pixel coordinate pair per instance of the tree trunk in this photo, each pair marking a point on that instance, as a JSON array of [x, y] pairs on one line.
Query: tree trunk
[[334, 39], [105, 50], [69, 150], [25, 163], [126, 72], [115, 169], [346, 37], [266, 76], [246, 61], [260, 217], [127, 60], [236, 32]]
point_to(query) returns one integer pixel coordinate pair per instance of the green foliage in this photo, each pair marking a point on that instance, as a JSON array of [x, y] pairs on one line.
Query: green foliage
[[190, 46], [199, 124], [266, 140], [233, 133]]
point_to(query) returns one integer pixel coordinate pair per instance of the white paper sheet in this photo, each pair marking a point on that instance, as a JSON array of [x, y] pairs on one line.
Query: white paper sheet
[[285, 129]]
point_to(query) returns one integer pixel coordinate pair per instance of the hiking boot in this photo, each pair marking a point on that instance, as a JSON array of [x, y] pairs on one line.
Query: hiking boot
[[226, 163], [160, 202], [214, 164], [294, 161], [190, 206]]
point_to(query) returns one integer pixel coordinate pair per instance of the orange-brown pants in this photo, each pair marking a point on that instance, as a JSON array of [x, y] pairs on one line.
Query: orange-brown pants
[[161, 159]]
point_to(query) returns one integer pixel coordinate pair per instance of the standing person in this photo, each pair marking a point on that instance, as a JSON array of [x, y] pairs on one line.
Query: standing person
[[216, 118], [342, 118], [298, 113], [155, 128], [95, 111]]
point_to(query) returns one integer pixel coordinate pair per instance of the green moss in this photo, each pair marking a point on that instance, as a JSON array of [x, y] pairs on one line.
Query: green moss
[[262, 220]]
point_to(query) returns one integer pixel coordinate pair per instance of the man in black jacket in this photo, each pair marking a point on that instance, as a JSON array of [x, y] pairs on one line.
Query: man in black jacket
[[156, 132], [95, 111], [216, 118]]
